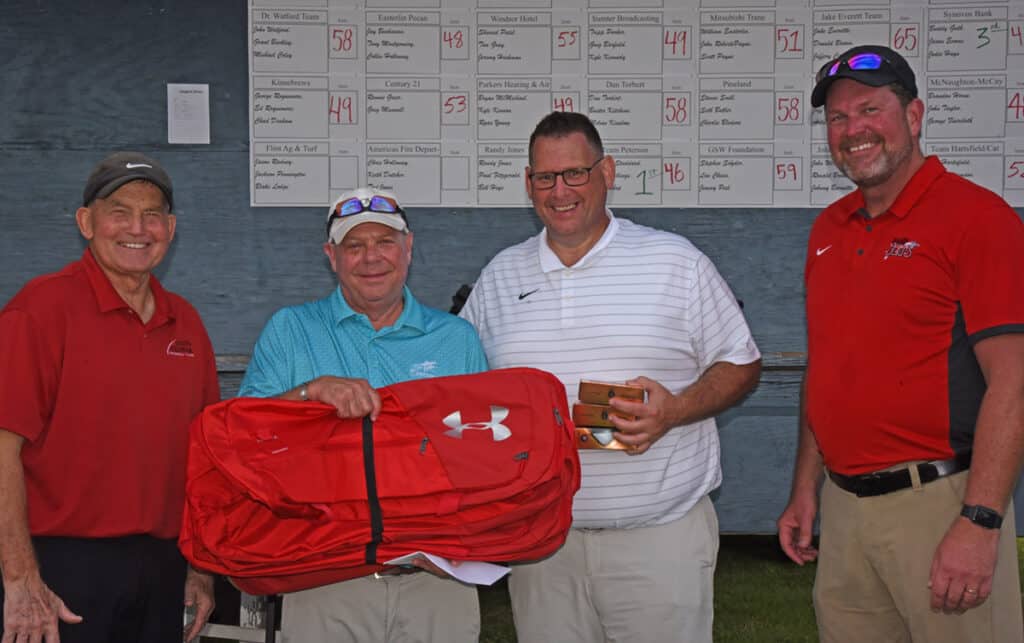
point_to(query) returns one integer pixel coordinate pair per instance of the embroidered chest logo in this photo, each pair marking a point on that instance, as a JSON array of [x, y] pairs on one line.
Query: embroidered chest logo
[[180, 348], [900, 248], [498, 430], [422, 369]]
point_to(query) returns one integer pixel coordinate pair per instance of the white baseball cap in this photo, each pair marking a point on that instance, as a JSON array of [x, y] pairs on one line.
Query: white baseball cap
[[364, 205]]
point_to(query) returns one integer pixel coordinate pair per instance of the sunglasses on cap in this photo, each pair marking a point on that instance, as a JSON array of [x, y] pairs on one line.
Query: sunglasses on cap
[[355, 205], [857, 62]]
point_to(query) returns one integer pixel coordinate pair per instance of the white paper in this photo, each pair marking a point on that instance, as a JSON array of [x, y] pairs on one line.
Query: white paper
[[188, 113], [702, 104], [469, 571]]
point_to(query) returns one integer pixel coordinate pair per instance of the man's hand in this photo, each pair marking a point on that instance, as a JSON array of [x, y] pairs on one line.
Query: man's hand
[[963, 566], [653, 418], [796, 525], [198, 594], [31, 611], [354, 398], [719, 387]]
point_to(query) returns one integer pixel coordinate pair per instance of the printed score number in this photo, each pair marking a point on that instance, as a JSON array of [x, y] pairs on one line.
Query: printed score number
[[455, 104], [1015, 173], [789, 42], [340, 109], [342, 39], [563, 104], [677, 110], [567, 38], [565, 43], [453, 38], [674, 173], [787, 109], [1015, 108], [1016, 43], [676, 43], [787, 175], [904, 39], [786, 172]]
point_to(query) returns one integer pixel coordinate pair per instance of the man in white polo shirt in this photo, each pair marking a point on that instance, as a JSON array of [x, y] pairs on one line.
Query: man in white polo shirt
[[596, 297]]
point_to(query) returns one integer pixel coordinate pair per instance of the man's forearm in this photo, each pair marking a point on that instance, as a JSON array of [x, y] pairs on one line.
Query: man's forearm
[[809, 468], [17, 558], [998, 448], [719, 388]]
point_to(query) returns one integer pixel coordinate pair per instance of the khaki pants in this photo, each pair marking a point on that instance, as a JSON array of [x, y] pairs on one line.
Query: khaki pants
[[653, 585], [414, 608], [875, 560]]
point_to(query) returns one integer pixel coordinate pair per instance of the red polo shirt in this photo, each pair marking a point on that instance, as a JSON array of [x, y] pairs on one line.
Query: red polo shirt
[[104, 402], [894, 307]]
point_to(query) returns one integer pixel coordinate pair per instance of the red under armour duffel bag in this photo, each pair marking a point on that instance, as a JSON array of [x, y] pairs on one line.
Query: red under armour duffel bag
[[283, 496]]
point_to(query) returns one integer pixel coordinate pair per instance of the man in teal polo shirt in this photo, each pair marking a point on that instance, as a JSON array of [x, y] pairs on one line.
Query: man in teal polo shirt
[[368, 333]]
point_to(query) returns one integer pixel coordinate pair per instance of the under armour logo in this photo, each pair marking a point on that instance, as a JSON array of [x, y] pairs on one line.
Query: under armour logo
[[498, 430]]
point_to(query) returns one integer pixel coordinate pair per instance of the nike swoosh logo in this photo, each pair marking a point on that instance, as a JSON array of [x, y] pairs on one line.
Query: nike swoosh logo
[[524, 295], [132, 166], [822, 251]]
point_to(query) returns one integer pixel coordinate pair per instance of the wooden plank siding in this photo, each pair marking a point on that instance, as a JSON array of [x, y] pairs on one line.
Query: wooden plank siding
[[81, 78]]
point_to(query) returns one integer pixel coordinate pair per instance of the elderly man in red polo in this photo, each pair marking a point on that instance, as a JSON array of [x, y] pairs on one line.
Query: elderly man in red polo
[[102, 371]]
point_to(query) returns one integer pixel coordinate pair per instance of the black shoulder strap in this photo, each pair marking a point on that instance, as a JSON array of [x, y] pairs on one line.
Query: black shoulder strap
[[370, 471]]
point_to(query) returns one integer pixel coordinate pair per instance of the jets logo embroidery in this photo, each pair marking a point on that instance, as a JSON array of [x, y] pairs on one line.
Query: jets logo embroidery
[[498, 430], [900, 248], [180, 348], [423, 369]]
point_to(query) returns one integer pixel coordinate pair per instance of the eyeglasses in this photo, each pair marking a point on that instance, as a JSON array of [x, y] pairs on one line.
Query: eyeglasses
[[355, 205], [866, 61], [573, 177]]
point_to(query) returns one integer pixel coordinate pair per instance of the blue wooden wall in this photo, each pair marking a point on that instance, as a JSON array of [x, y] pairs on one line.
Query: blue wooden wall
[[81, 78]]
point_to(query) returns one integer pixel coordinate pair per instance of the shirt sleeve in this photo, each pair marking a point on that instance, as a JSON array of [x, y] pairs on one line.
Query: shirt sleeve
[[475, 309], [30, 374], [476, 360], [268, 373], [989, 273], [721, 327], [471, 309]]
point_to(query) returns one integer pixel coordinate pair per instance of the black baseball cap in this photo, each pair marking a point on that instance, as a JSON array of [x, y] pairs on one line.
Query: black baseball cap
[[120, 168], [872, 65]]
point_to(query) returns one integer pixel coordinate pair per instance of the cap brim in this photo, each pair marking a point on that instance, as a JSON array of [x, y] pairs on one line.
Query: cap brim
[[111, 187], [871, 77], [341, 226]]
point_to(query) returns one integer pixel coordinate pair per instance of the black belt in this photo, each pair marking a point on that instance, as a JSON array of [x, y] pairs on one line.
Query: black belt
[[882, 482]]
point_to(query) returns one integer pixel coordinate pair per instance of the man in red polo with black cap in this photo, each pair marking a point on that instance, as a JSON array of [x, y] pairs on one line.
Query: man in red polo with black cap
[[913, 399], [102, 372]]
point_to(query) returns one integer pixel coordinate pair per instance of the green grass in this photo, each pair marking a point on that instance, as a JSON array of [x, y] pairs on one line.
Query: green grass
[[760, 596], [496, 614]]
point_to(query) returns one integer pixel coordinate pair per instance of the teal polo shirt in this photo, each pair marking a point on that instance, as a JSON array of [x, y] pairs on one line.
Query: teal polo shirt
[[327, 337]]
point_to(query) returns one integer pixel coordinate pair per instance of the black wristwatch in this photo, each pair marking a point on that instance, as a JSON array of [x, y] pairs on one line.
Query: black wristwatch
[[982, 516]]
